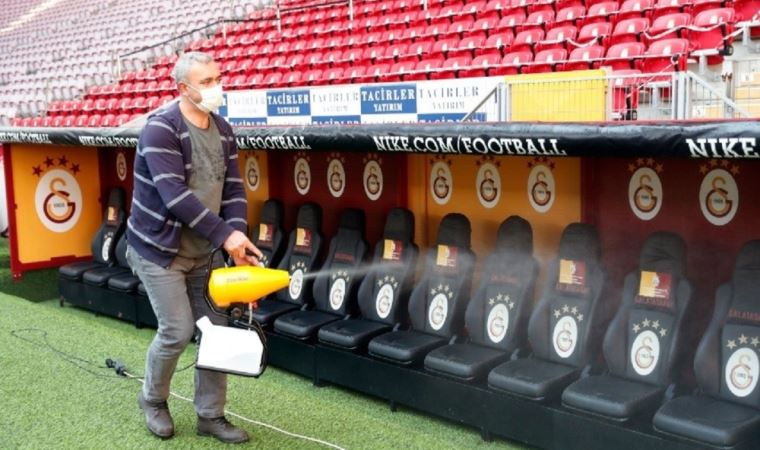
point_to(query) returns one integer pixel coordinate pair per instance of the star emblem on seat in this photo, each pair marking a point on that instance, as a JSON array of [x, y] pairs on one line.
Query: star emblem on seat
[[656, 324], [491, 301], [636, 328], [755, 341], [511, 305], [499, 297], [556, 313], [645, 322], [574, 310], [731, 344], [743, 339], [565, 308], [663, 332], [580, 317]]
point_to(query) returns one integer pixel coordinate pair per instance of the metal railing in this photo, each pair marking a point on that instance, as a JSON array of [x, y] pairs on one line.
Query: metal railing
[[614, 97]]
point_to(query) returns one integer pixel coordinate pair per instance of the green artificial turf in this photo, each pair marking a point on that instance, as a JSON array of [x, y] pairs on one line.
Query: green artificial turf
[[37, 285], [49, 402]]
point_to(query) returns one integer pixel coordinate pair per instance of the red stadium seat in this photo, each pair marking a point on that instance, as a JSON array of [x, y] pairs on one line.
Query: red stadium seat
[[451, 67], [486, 23], [698, 6], [670, 26], [333, 75], [547, 60], [112, 105], [623, 56], [511, 22], [625, 94], [397, 71], [629, 30], [88, 105], [512, 63], [54, 108], [665, 7], [583, 58], [57, 121], [496, 43], [352, 74], [537, 21], [600, 12], [254, 81], [120, 120], [666, 55], [596, 33], [47, 121], [712, 30], [557, 37], [424, 69], [312, 77], [525, 40], [468, 46], [392, 52], [569, 15], [94, 121], [480, 65], [292, 78], [460, 26], [417, 50], [272, 78], [70, 121], [634, 8], [444, 45]]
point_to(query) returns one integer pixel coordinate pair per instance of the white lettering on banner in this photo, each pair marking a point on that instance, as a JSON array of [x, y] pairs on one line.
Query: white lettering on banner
[[107, 141], [25, 137], [464, 144], [273, 143], [723, 147], [288, 99], [388, 95], [448, 92]]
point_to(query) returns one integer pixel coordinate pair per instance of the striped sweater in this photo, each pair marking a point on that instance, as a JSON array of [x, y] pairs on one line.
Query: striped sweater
[[162, 203]]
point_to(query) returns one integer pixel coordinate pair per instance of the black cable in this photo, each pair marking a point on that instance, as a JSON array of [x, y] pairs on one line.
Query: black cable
[[77, 361]]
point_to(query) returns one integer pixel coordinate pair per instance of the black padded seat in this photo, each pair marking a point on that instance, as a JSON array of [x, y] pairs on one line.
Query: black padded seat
[[404, 346], [497, 315], [565, 326], [303, 324], [336, 287], [726, 409], [534, 378], [351, 333], [103, 245], [268, 236], [124, 283], [437, 304], [74, 271], [464, 361], [709, 420], [300, 258], [612, 397], [643, 343], [267, 310], [102, 275], [384, 293]]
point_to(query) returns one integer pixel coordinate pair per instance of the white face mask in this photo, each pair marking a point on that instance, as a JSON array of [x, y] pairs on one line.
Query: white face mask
[[211, 98]]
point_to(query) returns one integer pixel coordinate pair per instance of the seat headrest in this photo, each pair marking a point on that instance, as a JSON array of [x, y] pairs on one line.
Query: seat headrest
[[309, 216], [454, 231], [664, 252], [748, 258], [746, 280], [515, 235], [272, 212], [580, 241], [352, 219], [116, 198], [399, 225]]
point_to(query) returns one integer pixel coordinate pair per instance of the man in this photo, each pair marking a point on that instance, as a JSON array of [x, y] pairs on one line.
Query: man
[[188, 199]]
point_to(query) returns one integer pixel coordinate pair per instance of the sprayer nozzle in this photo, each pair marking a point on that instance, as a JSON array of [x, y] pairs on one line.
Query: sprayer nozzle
[[245, 284]]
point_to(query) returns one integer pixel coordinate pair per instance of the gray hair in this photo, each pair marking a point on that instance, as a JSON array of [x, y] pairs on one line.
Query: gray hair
[[185, 61]]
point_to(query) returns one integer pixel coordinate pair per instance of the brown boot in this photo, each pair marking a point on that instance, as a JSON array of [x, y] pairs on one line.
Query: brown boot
[[157, 417], [221, 429]]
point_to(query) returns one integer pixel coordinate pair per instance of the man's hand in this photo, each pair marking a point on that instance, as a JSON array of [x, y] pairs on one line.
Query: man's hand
[[242, 250]]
